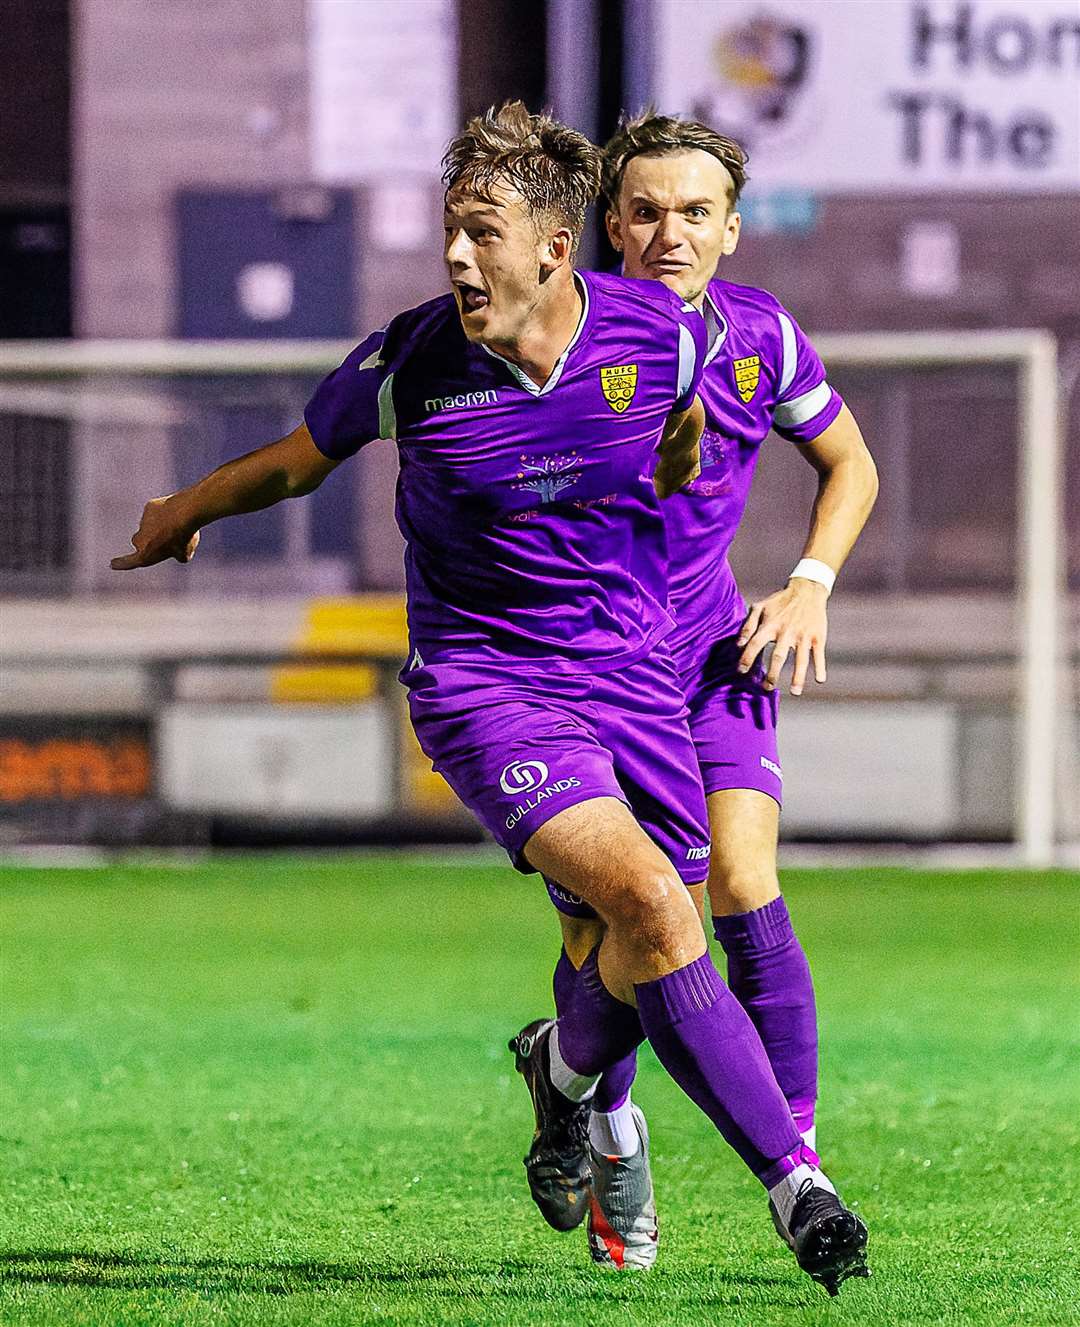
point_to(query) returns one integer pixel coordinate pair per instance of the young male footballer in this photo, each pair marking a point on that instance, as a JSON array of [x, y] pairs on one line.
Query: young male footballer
[[527, 407], [672, 188]]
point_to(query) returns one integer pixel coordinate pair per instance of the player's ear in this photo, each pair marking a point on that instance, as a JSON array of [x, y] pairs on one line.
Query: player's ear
[[614, 230], [558, 249], [732, 231]]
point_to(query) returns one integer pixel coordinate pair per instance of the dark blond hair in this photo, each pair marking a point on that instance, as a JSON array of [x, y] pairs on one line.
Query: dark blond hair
[[651, 135], [555, 169]]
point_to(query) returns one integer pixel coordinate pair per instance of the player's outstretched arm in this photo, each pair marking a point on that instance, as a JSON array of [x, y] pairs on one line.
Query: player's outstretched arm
[[680, 452], [795, 618], [170, 526]]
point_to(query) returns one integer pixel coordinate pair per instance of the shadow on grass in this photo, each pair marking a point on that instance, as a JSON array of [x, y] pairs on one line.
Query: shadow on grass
[[133, 1271]]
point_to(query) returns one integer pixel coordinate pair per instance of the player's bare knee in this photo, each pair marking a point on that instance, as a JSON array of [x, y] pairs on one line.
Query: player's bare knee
[[741, 888], [653, 908]]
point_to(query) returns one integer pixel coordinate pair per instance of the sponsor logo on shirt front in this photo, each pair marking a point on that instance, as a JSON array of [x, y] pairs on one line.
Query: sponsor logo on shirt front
[[460, 402], [548, 477], [747, 376], [618, 382], [531, 778]]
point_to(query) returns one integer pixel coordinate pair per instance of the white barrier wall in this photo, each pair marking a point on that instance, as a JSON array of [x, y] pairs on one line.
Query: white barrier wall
[[307, 763], [871, 770]]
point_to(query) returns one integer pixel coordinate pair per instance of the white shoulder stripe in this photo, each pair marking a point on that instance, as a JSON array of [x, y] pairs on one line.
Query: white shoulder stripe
[[387, 413], [791, 353], [687, 359], [789, 414]]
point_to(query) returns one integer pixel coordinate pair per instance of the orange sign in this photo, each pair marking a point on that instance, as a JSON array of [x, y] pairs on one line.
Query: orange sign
[[69, 769]]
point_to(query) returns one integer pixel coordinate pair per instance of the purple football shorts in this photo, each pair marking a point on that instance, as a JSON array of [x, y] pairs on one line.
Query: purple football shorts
[[519, 744], [732, 718]]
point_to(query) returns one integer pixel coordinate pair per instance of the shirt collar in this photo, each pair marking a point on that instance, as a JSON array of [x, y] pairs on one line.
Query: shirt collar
[[716, 325], [556, 373]]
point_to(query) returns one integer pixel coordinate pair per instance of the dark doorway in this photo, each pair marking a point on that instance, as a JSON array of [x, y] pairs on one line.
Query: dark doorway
[[35, 169]]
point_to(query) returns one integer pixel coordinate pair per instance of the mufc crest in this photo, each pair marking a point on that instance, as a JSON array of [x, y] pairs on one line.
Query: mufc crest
[[747, 373], [619, 383]]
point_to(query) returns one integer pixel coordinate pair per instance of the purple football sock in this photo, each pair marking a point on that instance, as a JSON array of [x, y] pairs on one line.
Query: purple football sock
[[615, 1082], [705, 1040], [769, 976], [596, 1031], [563, 981]]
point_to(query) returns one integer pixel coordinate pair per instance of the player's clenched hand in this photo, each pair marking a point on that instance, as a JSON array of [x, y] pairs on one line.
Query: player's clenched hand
[[792, 619], [161, 535]]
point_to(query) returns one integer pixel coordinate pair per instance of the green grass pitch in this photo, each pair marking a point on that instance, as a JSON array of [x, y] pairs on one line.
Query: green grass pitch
[[276, 1090]]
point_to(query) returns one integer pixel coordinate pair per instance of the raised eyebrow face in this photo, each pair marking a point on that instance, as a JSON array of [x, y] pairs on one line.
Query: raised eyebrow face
[[673, 205]]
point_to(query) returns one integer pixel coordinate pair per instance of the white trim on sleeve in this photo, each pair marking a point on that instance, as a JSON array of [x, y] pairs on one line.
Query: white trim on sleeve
[[387, 413], [789, 414], [791, 353]]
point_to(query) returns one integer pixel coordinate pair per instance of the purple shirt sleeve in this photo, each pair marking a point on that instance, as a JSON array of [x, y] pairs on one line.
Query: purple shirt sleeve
[[806, 405], [354, 404], [693, 347]]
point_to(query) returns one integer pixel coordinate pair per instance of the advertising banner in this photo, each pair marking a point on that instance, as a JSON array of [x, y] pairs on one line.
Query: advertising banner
[[858, 96], [77, 779]]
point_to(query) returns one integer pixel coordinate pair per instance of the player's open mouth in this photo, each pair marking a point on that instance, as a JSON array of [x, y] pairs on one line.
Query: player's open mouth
[[472, 297]]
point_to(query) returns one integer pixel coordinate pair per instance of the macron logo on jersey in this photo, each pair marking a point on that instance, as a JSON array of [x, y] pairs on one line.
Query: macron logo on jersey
[[461, 402]]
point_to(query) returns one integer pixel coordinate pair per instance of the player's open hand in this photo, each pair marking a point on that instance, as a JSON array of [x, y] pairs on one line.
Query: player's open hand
[[793, 619], [161, 535]]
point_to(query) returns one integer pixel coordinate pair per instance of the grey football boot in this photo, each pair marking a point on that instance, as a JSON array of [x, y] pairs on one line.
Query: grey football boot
[[557, 1163], [623, 1233]]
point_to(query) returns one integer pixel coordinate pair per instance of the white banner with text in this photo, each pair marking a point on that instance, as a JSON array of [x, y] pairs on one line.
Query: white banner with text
[[846, 96]]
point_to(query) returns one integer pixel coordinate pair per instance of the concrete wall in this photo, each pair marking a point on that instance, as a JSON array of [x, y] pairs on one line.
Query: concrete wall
[[203, 92]]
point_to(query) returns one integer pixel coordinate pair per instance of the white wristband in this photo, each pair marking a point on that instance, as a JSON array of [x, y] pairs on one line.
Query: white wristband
[[810, 569]]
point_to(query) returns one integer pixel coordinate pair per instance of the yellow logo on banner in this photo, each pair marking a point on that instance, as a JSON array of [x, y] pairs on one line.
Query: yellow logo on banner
[[619, 384], [747, 373]]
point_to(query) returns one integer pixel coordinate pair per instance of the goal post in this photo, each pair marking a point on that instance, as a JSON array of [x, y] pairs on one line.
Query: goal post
[[91, 382], [1040, 570]]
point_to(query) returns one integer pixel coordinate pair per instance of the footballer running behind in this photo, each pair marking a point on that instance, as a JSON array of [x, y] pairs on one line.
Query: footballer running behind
[[672, 189]]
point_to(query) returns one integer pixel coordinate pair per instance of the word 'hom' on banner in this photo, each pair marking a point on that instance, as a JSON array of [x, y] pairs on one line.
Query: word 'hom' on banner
[[893, 95]]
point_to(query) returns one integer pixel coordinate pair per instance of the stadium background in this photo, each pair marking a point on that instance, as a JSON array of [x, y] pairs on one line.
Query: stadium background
[[177, 176]]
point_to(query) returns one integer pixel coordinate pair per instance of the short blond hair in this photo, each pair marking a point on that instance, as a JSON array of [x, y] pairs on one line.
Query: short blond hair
[[652, 135], [555, 169]]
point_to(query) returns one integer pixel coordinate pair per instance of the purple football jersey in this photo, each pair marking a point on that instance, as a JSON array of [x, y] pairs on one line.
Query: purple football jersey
[[761, 373], [532, 529]]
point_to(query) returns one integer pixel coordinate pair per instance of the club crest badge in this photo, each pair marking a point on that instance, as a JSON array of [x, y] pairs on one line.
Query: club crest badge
[[747, 374], [619, 383]]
